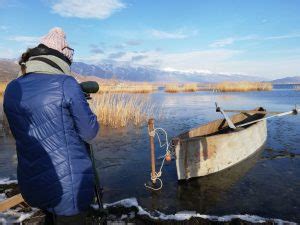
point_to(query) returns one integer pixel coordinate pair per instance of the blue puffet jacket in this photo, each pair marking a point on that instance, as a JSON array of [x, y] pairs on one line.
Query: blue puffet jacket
[[51, 121]]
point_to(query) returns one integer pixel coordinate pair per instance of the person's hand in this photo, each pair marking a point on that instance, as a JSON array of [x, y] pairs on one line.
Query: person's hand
[[87, 96]]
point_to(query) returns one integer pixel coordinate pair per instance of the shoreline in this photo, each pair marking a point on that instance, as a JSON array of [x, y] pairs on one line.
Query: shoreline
[[126, 211]]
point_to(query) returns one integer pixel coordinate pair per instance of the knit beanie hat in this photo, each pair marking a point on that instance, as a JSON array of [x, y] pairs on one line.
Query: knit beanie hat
[[56, 39]]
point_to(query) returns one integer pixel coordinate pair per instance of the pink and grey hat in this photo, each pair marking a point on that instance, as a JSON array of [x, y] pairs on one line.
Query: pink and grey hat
[[56, 39]]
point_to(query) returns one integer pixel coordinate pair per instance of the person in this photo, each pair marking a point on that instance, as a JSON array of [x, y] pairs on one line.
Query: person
[[51, 122]]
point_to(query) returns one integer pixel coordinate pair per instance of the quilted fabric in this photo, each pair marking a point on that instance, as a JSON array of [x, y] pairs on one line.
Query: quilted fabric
[[51, 121]]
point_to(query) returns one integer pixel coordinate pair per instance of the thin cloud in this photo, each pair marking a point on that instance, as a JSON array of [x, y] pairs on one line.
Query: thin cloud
[[179, 34], [87, 8], [3, 28], [27, 40], [279, 37], [116, 55], [95, 49], [231, 40], [133, 42], [138, 57]]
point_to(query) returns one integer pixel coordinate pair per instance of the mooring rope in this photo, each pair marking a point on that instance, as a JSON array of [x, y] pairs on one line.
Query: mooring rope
[[157, 175]]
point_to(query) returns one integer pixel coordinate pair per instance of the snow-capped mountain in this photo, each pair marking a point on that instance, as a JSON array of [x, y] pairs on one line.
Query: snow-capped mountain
[[130, 73]]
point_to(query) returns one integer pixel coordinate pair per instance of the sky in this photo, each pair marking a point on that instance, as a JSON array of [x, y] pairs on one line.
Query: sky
[[254, 37]]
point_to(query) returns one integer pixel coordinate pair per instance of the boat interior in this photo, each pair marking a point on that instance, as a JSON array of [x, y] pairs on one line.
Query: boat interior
[[220, 126]]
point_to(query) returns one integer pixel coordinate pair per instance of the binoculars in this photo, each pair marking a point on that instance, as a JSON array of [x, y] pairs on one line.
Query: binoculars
[[89, 87]]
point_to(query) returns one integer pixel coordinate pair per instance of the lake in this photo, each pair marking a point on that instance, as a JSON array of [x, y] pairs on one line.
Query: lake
[[267, 185]]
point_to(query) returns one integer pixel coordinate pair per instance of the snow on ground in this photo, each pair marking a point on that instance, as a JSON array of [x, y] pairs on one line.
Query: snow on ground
[[7, 181], [14, 216], [186, 215]]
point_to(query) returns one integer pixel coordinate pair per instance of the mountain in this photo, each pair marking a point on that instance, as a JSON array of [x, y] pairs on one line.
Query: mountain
[[288, 80], [150, 74], [8, 70], [83, 71]]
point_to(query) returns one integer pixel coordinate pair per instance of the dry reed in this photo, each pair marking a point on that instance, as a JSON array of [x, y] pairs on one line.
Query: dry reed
[[2, 87], [243, 86], [128, 88], [174, 88], [120, 110], [192, 87]]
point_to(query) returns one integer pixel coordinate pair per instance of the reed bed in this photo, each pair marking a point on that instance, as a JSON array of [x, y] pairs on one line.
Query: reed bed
[[120, 110], [243, 86], [190, 87], [174, 88], [128, 88], [2, 87]]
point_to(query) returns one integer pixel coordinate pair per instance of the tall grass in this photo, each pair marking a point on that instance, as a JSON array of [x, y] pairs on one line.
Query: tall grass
[[2, 87], [243, 86], [174, 88], [120, 110], [127, 88], [192, 87]]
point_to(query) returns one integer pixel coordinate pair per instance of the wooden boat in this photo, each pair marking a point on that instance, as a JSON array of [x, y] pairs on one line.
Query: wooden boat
[[214, 146]]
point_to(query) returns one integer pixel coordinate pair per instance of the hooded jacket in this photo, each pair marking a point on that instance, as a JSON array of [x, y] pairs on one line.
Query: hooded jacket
[[51, 121]]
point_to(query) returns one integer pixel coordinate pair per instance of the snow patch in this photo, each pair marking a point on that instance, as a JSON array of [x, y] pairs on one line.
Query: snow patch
[[186, 215], [7, 181], [2, 197]]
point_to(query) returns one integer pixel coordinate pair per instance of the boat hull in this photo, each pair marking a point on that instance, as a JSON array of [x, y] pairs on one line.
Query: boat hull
[[204, 155]]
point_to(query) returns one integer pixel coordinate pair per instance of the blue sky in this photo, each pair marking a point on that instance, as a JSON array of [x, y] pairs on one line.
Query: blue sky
[[254, 37]]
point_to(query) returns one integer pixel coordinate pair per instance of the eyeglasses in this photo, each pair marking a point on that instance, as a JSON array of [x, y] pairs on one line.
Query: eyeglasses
[[71, 50]]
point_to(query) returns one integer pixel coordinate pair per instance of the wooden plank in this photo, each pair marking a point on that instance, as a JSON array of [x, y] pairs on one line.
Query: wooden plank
[[11, 202], [250, 111]]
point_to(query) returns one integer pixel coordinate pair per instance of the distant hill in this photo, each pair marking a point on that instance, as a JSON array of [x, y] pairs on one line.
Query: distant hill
[[287, 80], [150, 74], [8, 70], [102, 72]]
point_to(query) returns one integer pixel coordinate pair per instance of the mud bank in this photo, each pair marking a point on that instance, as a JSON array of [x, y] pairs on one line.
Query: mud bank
[[126, 211]]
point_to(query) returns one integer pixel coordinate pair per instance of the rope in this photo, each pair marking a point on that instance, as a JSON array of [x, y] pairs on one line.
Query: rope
[[167, 144]]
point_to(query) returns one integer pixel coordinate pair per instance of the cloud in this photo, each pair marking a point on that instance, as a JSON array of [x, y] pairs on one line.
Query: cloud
[[280, 37], [197, 60], [116, 55], [138, 57], [133, 42], [231, 40], [179, 34], [99, 9], [10, 3], [95, 49], [27, 40], [3, 27], [223, 42], [119, 46], [225, 61]]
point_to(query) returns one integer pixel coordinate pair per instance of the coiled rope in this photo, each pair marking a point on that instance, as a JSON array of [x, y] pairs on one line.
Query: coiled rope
[[166, 144]]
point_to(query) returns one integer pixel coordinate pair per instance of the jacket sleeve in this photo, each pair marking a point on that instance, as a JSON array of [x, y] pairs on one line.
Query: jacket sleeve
[[85, 120]]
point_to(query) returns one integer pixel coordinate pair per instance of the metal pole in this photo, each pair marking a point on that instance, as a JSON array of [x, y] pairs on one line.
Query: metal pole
[[151, 131], [98, 189]]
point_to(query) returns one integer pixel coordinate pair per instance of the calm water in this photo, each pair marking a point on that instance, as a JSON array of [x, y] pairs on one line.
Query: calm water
[[266, 185]]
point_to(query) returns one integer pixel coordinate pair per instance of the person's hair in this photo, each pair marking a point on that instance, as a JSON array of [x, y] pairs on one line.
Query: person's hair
[[41, 49], [23, 59]]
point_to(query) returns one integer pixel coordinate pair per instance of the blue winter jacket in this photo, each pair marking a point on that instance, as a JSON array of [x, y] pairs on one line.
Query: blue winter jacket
[[51, 121]]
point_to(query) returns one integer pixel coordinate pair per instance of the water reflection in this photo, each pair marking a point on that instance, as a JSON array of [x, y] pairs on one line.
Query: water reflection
[[208, 191]]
